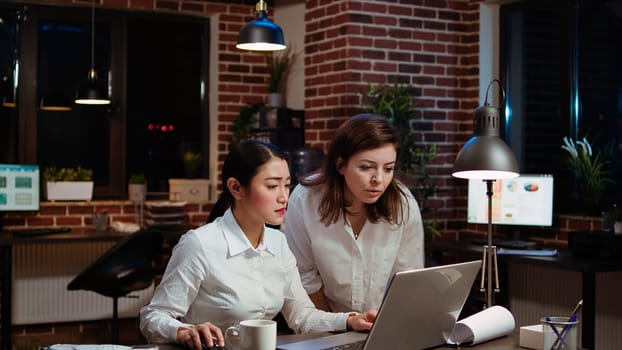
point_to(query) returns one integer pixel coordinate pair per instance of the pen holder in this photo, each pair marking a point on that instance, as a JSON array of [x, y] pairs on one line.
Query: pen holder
[[559, 333]]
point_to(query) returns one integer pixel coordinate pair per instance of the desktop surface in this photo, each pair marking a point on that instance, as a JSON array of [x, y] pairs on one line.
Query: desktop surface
[[509, 342]]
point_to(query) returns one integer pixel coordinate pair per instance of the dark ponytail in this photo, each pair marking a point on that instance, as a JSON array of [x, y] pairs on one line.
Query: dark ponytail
[[242, 163], [222, 204]]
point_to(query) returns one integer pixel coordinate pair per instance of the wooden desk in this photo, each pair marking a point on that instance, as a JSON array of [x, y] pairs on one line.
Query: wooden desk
[[588, 267], [8, 240]]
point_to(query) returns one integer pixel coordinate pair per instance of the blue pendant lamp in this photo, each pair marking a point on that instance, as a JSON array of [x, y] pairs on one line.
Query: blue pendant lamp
[[92, 92], [260, 34]]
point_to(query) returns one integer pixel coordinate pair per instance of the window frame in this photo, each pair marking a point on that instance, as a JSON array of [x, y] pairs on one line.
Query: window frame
[[117, 112]]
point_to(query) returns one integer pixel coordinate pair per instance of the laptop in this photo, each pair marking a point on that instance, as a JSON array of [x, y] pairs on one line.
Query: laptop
[[418, 311]]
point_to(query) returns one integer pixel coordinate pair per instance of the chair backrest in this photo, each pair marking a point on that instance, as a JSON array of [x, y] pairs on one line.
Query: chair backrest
[[125, 267]]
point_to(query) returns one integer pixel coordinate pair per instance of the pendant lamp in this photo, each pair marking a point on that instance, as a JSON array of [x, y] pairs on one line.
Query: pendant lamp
[[92, 92], [54, 101], [486, 157], [260, 34]]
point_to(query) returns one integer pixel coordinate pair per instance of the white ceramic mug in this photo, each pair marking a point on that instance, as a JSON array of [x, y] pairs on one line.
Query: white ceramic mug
[[252, 335]]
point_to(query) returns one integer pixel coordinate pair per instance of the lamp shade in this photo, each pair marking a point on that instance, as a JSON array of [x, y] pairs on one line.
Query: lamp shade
[[261, 34], [55, 102], [91, 92], [485, 156]]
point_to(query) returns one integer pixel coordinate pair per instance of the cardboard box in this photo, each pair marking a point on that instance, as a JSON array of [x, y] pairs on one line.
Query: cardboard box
[[532, 337], [189, 190]]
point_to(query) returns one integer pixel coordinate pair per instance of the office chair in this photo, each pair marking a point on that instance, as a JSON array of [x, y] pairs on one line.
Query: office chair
[[126, 267]]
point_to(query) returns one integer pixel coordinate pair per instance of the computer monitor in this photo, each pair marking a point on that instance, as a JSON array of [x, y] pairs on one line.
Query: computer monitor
[[525, 201], [19, 188]]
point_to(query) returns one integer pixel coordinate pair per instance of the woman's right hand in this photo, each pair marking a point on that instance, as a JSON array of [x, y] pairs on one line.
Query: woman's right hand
[[192, 337], [361, 322]]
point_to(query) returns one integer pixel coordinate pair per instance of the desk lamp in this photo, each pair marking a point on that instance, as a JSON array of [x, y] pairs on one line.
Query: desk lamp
[[261, 34], [485, 156]]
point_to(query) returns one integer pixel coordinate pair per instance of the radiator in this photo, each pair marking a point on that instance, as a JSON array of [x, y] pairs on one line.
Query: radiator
[[41, 273]]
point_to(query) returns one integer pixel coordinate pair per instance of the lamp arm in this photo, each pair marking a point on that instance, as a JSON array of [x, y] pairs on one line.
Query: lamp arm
[[502, 92]]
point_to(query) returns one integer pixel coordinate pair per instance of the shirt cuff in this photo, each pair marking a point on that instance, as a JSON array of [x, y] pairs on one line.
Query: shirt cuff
[[350, 314]]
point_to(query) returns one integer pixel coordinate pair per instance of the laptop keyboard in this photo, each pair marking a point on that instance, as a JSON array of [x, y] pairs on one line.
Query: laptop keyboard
[[352, 346]]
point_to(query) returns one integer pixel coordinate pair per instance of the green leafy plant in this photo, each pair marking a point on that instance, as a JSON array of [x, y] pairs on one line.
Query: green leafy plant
[[192, 162], [137, 178], [243, 124], [397, 104], [590, 168], [52, 174], [279, 65]]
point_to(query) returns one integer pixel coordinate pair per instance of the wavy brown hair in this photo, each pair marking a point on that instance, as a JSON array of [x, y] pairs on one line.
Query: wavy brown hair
[[360, 133]]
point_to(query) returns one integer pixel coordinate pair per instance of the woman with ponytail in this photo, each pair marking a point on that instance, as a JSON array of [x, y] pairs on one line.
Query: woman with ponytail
[[235, 267]]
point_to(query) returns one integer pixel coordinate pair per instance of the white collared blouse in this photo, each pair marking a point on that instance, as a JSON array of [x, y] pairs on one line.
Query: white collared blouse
[[353, 272], [215, 275]]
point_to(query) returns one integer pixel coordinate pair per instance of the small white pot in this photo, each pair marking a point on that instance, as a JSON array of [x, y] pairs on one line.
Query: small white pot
[[69, 190], [617, 227], [275, 99], [137, 192]]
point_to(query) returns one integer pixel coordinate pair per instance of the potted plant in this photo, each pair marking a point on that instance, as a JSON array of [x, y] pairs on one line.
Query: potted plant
[[242, 125], [137, 187], [190, 189], [614, 218], [396, 103], [192, 163], [591, 166], [68, 183], [279, 65]]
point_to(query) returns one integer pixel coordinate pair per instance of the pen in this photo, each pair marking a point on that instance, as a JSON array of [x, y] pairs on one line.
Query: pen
[[576, 309], [571, 319]]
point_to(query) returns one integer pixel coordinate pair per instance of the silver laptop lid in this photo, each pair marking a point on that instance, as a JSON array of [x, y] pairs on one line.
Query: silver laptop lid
[[418, 311], [420, 307]]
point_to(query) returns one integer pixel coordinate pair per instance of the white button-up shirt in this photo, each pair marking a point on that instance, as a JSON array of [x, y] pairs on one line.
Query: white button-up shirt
[[353, 272], [215, 275]]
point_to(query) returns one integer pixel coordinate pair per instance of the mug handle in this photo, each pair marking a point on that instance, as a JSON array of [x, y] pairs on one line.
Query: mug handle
[[235, 332]]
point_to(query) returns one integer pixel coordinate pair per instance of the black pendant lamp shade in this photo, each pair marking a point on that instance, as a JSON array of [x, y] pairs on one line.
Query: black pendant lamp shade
[[91, 92], [55, 102], [261, 34], [485, 155]]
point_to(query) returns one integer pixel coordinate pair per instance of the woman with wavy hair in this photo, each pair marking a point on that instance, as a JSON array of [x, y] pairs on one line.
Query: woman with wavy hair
[[352, 224]]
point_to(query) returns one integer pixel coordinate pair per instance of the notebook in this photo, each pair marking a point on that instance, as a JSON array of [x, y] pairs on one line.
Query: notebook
[[418, 311]]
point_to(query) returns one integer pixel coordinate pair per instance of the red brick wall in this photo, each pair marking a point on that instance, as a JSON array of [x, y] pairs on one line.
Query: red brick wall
[[79, 214], [432, 45]]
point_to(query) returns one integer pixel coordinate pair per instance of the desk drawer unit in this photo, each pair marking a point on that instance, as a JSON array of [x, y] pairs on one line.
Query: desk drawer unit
[[41, 273]]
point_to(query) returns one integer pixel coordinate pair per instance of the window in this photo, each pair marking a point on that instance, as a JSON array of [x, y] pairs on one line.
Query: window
[[155, 67], [8, 85], [561, 62]]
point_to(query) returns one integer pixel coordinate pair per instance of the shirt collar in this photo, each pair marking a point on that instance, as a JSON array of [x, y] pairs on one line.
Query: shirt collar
[[236, 239]]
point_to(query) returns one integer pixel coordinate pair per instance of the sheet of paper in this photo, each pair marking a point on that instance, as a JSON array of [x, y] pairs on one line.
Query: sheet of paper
[[491, 323]]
